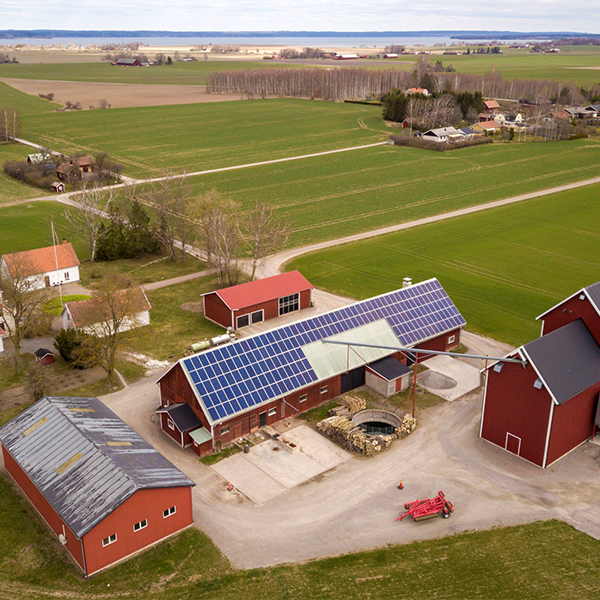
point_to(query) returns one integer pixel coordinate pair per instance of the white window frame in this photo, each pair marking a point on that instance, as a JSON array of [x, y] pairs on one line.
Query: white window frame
[[67, 277], [169, 511], [285, 302], [170, 424], [272, 412], [324, 389], [140, 525], [303, 398], [451, 339], [107, 541]]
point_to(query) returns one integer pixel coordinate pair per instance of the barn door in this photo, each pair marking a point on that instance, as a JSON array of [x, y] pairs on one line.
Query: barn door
[[352, 380], [513, 444]]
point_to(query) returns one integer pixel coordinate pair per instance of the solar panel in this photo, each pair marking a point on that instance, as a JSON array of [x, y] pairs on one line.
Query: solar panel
[[266, 366]]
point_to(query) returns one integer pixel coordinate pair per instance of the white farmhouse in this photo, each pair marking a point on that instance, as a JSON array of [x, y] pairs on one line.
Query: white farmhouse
[[91, 316], [44, 267], [444, 134]]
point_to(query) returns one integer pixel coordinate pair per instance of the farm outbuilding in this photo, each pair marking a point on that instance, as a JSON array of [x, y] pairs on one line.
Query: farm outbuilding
[[546, 407], [102, 489], [234, 389], [256, 301], [44, 356]]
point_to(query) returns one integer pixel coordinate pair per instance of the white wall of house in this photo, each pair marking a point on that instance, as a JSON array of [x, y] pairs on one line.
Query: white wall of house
[[62, 276], [101, 329]]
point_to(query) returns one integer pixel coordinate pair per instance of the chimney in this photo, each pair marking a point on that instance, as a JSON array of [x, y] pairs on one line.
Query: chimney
[[406, 282], [64, 241]]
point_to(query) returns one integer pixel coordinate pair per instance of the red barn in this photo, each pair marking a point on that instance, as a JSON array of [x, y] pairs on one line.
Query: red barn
[[102, 489], [211, 398], [544, 409], [256, 301]]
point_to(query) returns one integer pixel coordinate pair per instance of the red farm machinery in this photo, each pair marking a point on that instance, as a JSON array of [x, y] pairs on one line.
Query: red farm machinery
[[420, 510]]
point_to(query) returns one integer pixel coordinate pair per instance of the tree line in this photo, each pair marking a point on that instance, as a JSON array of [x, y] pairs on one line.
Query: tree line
[[351, 83]]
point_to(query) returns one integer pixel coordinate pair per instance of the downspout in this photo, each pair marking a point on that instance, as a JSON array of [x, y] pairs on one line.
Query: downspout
[[83, 557], [548, 434]]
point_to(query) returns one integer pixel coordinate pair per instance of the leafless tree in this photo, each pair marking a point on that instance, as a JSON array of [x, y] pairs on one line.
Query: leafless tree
[[170, 199], [263, 232], [21, 299], [10, 123], [91, 208], [107, 315], [228, 242]]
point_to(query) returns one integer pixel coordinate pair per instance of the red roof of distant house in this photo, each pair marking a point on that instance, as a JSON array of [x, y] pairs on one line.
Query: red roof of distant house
[[41, 260], [491, 104], [489, 125], [263, 290]]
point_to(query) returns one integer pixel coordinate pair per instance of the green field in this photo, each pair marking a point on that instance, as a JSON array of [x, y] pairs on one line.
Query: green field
[[539, 561], [501, 267], [181, 73], [11, 189], [148, 140], [336, 195]]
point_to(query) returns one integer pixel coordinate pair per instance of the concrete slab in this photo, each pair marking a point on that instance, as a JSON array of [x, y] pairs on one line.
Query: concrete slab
[[252, 481], [449, 378], [269, 470]]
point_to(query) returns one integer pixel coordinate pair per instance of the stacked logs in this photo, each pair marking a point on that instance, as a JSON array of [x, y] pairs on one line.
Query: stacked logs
[[409, 424], [353, 403], [344, 432]]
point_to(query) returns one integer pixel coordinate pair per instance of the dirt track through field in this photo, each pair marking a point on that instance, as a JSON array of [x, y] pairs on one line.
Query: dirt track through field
[[118, 95]]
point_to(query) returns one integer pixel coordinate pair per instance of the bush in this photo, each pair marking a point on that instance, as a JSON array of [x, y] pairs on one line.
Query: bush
[[415, 142], [67, 342]]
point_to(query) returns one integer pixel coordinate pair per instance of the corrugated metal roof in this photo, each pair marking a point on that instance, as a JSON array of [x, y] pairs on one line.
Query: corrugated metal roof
[[84, 459], [263, 290], [328, 360], [201, 435]]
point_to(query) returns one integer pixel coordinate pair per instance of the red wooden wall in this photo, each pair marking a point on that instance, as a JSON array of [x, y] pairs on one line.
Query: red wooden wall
[[570, 311], [513, 405], [216, 310]]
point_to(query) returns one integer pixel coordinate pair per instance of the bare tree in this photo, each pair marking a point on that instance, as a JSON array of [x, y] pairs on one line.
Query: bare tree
[[91, 208], [107, 315], [21, 299], [264, 232], [170, 198], [228, 243], [10, 123]]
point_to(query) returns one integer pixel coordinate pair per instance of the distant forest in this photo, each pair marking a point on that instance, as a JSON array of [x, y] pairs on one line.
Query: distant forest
[[454, 34]]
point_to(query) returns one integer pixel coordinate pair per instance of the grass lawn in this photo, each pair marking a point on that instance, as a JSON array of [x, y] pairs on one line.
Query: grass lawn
[[172, 328], [11, 189], [543, 560], [54, 307], [336, 195], [501, 267]]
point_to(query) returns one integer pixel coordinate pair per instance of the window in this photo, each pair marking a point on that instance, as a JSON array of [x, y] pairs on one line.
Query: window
[[224, 430], [170, 424], [289, 304], [169, 512], [272, 412], [140, 525], [67, 276], [243, 321], [111, 539], [302, 398], [451, 339], [324, 389]]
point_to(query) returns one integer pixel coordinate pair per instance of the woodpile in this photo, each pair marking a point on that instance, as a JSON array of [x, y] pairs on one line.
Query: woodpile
[[338, 411], [353, 403], [409, 424], [344, 432]]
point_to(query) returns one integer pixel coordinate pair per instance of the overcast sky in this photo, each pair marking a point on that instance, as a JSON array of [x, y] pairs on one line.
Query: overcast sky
[[311, 15]]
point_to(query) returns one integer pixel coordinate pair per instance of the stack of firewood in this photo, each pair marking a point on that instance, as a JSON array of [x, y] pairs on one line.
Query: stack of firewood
[[342, 431], [409, 424], [353, 403], [338, 411]]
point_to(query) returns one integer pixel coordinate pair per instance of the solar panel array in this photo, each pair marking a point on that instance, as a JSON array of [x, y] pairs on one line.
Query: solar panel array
[[251, 371]]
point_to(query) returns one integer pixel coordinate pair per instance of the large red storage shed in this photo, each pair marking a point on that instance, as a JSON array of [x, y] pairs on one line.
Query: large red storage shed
[[548, 406], [256, 301], [211, 398], [102, 489]]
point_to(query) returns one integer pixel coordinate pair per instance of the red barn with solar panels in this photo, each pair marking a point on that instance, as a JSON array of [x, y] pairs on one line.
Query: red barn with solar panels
[[548, 406], [213, 397], [256, 301]]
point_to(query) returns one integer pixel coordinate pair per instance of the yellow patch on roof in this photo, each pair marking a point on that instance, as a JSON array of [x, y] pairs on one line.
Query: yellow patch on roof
[[119, 444], [70, 462], [35, 426], [76, 409]]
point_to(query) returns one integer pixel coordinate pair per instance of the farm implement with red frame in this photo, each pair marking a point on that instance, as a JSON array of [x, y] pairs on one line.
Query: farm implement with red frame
[[420, 510]]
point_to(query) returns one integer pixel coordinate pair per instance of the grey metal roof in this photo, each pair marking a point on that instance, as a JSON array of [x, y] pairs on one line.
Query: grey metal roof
[[593, 291], [568, 360], [84, 459], [389, 368]]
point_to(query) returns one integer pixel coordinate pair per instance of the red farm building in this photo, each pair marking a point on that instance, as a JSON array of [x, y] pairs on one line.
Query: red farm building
[[102, 489], [256, 301], [546, 407], [211, 398]]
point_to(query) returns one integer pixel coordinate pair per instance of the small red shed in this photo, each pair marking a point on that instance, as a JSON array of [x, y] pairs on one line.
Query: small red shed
[[101, 488], [256, 301], [43, 356]]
